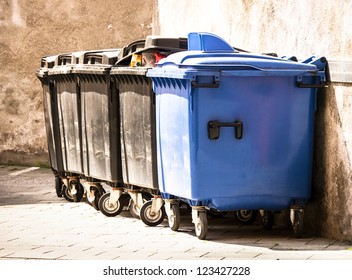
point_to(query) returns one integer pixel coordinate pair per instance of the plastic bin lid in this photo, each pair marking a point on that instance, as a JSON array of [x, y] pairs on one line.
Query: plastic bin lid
[[107, 57], [201, 41], [155, 44], [210, 52]]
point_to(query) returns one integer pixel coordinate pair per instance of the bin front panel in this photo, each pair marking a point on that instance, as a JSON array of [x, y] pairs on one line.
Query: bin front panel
[[69, 122], [49, 125], [52, 126], [266, 169], [100, 133], [138, 140]]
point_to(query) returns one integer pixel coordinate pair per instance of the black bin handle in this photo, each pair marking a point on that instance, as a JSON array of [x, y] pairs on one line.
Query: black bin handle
[[214, 129]]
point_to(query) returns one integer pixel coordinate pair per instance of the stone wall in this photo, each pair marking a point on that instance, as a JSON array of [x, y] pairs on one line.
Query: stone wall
[[30, 29], [301, 28]]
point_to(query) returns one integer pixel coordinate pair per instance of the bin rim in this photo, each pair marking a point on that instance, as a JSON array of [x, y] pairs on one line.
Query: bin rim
[[120, 70], [220, 59], [102, 69]]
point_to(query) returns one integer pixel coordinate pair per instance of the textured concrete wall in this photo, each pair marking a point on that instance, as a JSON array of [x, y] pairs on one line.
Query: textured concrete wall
[[301, 28], [30, 29]]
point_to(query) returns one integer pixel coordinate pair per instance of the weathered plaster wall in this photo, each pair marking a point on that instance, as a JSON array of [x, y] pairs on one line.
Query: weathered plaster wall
[[30, 29], [301, 28]]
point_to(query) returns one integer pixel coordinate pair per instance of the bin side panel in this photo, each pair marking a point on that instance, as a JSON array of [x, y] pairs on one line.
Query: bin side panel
[[95, 129], [138, 140], [270, 166], [173, 139], [48, 116], [69, 119], [100, 134]]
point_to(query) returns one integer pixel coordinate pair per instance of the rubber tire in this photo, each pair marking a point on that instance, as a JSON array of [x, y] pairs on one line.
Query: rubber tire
[[151, 220], [175, 220], [67, 194], [201, 228], [104, 206], [298, 224], [246, 218], [58, 186], [215, 213], [268, 220], [98, 193], [133, 208]]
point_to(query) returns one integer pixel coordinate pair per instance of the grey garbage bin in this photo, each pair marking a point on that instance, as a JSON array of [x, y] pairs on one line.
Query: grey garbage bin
[[137, 119], [51, 120]]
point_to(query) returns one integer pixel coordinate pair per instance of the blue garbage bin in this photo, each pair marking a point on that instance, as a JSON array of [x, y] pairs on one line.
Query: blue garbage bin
[[235, 130]]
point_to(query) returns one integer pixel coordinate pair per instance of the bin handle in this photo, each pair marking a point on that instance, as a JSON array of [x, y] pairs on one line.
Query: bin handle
[[214, 129], [206, 85], [302, 85]]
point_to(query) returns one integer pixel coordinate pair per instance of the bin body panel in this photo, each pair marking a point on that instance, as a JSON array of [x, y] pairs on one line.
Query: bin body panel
[[100, 127], [69, 120], [138, 136], [268, 168], [52, 125]]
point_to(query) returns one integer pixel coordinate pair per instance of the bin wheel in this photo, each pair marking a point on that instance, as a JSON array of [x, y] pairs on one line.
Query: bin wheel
[[174, 219], [298, 223], [268, 220], [134, 210], [201, 228], [58, 186], [216, 213], [151, 219], [98, 193], [246, 217], [110, 210], [66, 192]]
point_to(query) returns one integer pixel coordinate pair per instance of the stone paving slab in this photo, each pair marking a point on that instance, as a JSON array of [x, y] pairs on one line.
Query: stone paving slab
[[36, 224]]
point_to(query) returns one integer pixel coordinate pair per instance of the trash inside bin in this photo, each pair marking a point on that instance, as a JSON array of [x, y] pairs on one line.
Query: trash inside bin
[[235, 130]]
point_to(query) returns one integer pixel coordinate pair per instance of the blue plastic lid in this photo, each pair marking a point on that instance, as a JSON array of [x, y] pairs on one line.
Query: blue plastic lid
[[207, 42], [208, 52]]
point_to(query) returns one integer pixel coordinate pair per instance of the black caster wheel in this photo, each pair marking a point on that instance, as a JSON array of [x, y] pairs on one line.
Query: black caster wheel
[[201, 228], [58, 186], [216, 213], [98, 193], [149, 218], [246, 217], [174, 219], [108, 209], [134, 210], [67, 194], [268, 220]]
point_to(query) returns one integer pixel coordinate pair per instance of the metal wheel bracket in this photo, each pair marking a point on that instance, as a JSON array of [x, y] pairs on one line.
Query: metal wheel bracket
[[262, 213], [115, 195], [195, 213], [65, 181], [89, 191], [292, 213], [73, 185], [168, 203], [157, 203], [137, 198]]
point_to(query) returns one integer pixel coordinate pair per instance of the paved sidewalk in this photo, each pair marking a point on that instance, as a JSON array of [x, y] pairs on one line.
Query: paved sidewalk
[[36, 224]]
